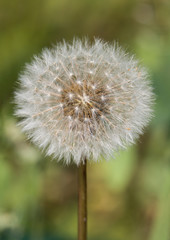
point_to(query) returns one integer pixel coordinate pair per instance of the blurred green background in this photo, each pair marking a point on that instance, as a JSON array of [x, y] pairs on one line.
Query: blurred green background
[[128, 198]]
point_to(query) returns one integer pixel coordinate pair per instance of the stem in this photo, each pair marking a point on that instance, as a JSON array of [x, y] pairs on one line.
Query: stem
[[82, 201]]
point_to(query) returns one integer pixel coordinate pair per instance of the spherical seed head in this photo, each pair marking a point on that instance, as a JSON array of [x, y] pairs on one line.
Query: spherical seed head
[[84, 100]]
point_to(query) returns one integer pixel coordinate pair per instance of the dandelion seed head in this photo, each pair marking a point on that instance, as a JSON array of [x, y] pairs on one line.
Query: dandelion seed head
[[84, 100]]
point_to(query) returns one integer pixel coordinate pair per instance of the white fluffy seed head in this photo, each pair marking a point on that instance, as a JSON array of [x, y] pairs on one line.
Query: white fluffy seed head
[[84, 100]]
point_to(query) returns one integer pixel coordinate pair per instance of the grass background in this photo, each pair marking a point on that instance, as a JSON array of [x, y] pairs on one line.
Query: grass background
[[128, 198]]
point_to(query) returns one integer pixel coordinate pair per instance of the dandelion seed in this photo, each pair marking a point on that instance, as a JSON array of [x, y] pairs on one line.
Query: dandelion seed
[[91, 72], [70, 95], [71, 74], [102, 98], [92, 108], [86, 119], [79, 82], [59, 90]]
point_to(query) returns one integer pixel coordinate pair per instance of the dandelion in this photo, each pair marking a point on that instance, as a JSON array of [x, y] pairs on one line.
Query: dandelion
[[82, 101]]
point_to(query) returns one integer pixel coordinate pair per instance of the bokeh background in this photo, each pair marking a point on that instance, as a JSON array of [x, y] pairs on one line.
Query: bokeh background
[[128, 198]]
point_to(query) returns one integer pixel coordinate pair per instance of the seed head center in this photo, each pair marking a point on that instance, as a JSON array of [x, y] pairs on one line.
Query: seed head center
[[83, 102], [84, 99]]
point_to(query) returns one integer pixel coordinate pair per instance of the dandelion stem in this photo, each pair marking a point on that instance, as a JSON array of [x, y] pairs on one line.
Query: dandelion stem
[[82, 201]]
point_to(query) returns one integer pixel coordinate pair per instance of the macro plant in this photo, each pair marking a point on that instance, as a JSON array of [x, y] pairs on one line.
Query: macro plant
[[81, 101]]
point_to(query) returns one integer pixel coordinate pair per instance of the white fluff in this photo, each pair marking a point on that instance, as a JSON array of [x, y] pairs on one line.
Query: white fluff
[[84, 100]]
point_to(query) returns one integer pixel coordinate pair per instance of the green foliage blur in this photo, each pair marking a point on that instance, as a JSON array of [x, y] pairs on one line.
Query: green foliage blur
[[128, 197]]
